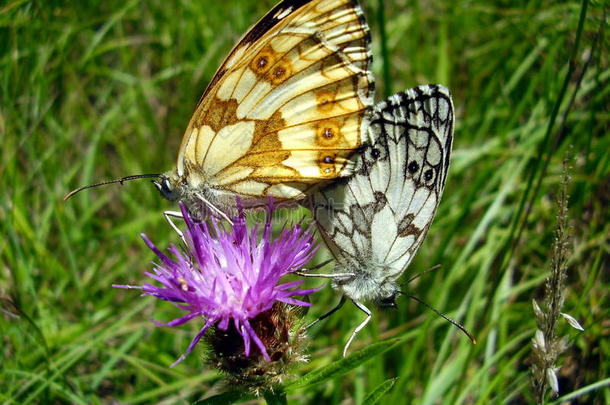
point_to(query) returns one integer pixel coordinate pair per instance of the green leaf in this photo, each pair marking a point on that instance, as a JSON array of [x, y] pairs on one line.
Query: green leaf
[[379, 392], [343, 366], [277, 396], [226, 398], [582, 391]]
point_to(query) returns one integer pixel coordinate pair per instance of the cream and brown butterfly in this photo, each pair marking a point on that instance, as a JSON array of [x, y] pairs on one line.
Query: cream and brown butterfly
[[283, 114]]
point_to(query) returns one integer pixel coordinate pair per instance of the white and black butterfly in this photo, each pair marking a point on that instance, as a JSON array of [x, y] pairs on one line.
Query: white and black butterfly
[[375, 221]]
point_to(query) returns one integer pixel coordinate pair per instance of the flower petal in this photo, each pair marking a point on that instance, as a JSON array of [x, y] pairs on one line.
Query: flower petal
[[551, 378], [245, 336], [195, 340], [257, 340], [292, 301], [572, 321], [230, 274], [176, 322]]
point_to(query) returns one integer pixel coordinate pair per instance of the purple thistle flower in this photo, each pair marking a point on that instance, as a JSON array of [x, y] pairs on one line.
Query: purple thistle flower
[[230, 276]]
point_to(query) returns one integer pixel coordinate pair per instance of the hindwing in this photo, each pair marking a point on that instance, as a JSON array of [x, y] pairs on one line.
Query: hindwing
[[381, 214]]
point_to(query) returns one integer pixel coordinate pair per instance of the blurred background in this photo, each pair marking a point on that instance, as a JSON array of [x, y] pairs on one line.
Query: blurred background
[[102, 89]]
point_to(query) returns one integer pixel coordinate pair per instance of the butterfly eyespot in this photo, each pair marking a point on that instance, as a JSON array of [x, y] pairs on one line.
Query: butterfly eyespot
[[328, 133], [262, 62], [326, 163], [428, 175], [280, 73], [413, 167], [325, 101]]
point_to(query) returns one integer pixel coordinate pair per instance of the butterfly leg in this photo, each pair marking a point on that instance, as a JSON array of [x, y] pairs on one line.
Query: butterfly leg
[[321, 275], [215, 209], [329, 313], [360, 327], [174, 214], [305, 272]]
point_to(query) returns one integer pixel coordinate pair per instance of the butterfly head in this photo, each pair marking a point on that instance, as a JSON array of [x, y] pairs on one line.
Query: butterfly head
[[197, 195], [369, 283], [389, 301], [170, 186]]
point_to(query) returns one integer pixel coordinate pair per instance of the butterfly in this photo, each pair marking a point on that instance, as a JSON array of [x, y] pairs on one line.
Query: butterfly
[[375, 221], [284, 112]]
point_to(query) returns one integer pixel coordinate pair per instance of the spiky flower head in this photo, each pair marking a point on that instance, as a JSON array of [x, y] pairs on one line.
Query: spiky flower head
[[228, 277]]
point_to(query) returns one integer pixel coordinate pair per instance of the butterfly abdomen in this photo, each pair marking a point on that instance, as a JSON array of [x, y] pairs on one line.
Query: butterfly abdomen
[[369, 283]]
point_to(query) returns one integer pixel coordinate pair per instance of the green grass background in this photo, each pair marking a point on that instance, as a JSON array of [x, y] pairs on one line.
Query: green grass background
[[96, 90]]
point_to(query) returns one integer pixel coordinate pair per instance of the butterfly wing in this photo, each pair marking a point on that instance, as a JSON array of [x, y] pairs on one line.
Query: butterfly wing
[[381, 214], [285, 111]]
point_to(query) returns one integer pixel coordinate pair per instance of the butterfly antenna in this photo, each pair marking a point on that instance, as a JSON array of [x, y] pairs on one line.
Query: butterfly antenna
[[121, 180], [445, 317], [418, 275]]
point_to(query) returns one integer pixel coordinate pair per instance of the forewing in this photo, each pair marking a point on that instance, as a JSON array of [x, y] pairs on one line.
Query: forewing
[[286, 109], [382, 213]]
